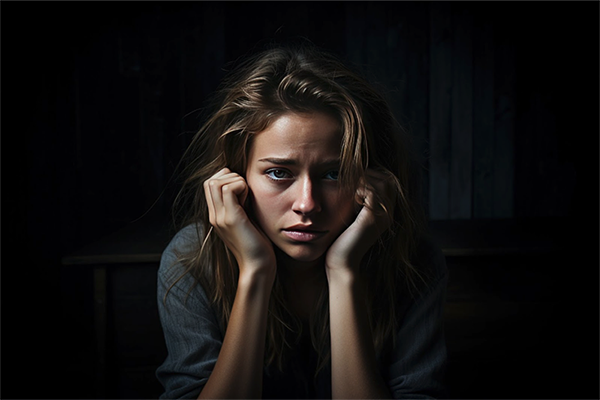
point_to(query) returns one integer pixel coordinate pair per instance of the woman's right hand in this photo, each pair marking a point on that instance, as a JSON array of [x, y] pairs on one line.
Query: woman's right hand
[[225, 193], [238, 372]]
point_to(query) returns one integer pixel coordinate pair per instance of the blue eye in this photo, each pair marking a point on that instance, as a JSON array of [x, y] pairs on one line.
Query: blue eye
[[333, 175], [277, 174]]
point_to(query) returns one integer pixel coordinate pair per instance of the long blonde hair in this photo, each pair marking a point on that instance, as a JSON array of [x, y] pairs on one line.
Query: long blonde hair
[[303, 78]]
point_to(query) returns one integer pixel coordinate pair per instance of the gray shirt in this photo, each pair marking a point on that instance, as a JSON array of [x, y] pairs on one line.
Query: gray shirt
[[413, 369]]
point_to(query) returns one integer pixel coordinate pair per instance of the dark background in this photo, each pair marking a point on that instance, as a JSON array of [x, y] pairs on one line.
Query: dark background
[[101, 99]]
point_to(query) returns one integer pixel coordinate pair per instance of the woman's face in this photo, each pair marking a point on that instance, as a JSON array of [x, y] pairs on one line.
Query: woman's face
[[292, 175]]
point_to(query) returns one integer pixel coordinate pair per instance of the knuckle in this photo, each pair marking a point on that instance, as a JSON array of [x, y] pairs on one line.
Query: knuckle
[[229, 221], [232, 218], [211, 219]]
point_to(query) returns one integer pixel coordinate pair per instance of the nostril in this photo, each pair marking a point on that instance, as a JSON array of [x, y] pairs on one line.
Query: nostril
[[306, 206], [307, 201]]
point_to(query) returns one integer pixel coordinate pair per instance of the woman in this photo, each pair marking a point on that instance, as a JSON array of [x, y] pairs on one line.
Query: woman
[[302, 269]]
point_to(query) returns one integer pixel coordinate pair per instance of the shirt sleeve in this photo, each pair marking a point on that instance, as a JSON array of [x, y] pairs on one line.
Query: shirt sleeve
[[191, 330], [418, 361]]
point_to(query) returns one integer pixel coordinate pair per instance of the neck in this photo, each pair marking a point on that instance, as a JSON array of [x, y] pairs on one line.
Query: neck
[[300, 271], [303, 283]]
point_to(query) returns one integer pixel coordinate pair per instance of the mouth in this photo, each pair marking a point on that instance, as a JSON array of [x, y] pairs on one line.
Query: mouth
[[303, 233]]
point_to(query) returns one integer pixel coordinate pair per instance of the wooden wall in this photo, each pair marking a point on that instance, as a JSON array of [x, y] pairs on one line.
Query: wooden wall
[[100, 100], [119, 94]]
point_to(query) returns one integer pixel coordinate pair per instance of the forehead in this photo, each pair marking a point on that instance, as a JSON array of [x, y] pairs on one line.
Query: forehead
[[292, 134]]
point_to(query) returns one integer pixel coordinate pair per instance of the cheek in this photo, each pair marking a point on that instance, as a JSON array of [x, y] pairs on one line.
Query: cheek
[[266, 205], [345, 209]]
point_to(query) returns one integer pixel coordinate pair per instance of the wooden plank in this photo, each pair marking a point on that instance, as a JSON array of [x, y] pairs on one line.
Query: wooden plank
[[355, 34], [376, 49], [240, 32], [396, 58], [418, 87], [212, 47], [100, 326], [483, 117], [440, 95], [191, 78], [461, 114], [133, 305], [504, 122], [138, 242], [192, 93], [152, 119], [499, 236]]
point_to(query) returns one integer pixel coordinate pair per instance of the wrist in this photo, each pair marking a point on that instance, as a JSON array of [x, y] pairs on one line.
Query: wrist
[[342, 275], [262, 275]]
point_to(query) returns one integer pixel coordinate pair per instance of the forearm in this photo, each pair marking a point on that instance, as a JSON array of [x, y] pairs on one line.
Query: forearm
[[239, 368], [354, 371]]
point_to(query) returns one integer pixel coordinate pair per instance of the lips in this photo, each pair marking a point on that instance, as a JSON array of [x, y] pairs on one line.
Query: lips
[[303, 233]]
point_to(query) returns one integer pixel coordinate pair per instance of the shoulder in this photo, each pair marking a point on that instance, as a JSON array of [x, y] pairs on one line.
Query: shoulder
[[430, 265], [176, 281], [430, 259], [416, 361], [183, 242]]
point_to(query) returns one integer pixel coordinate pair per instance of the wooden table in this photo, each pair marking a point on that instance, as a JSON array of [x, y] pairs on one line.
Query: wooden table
[[139, 243]]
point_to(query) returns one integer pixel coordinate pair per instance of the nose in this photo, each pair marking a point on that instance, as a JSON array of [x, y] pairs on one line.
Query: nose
[[307, 200]]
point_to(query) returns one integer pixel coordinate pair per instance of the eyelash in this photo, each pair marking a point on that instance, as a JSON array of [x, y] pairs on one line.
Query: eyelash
[[269, 173], [336, 173]]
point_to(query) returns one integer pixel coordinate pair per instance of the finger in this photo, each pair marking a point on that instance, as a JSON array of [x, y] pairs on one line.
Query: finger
[[384, 185], [214, 198], [364, 187], [377, 179], [208, 194], [217, 188], [209, 202], [233, 210], [240, 190], [372, 198], [367, 195], [221, 173], [237, 186]]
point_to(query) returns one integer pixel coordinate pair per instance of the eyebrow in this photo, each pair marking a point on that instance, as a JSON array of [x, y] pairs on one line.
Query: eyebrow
[[279, 161], [291, 161]]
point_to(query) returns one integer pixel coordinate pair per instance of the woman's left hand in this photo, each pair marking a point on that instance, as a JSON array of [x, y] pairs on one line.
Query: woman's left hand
[[376, 198]]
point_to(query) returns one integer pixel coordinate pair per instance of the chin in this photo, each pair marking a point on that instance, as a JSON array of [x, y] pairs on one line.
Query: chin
[[301, 253]]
